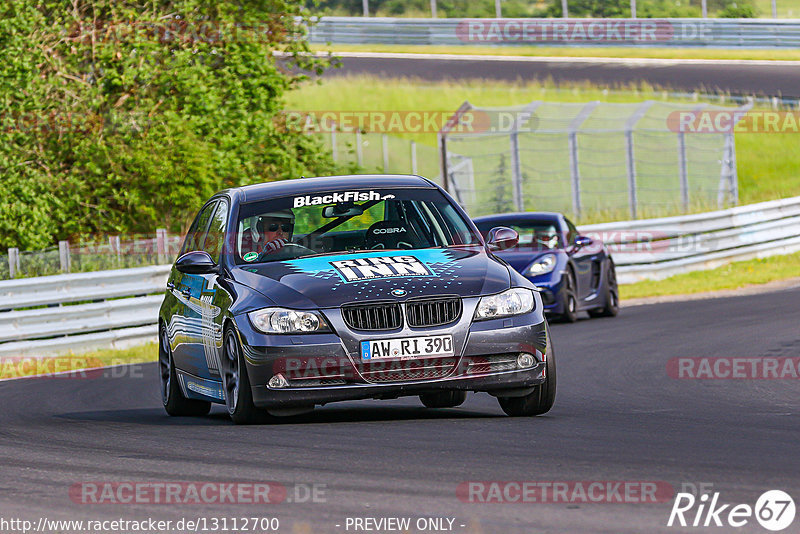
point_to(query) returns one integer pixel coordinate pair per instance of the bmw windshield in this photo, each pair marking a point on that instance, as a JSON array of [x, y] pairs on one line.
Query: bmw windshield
[[345, 221]]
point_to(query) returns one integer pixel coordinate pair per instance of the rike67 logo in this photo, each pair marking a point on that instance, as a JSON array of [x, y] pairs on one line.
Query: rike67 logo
[[774, 510]]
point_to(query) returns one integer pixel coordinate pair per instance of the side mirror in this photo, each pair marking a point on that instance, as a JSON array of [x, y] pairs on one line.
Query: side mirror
[[583, 241], [196, 262], [501, 238]]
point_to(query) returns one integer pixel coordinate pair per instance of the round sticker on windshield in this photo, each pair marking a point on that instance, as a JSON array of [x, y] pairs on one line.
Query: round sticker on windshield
[[250, 256]]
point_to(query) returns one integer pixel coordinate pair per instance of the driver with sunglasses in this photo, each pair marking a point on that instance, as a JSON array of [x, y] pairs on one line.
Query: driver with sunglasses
[[270, 233], [276, 229]]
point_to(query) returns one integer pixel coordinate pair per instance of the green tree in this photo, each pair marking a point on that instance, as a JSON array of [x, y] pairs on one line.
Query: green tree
[[121, 116]]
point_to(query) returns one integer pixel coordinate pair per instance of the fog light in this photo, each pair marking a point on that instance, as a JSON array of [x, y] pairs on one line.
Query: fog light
[[278, 381], [525, 360]]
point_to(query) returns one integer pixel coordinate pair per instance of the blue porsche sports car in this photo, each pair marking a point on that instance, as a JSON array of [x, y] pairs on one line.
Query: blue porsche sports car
[[573, 272], [298, 293]]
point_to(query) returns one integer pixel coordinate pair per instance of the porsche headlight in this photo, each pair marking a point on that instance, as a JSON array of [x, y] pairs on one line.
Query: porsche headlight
[[543, 265], [283, 321], [515, 301]]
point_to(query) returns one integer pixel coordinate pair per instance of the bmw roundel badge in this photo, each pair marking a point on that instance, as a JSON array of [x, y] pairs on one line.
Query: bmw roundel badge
[[399, 292]]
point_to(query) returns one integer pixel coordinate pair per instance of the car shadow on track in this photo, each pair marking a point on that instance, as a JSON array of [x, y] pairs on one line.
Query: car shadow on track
[[352, 414]]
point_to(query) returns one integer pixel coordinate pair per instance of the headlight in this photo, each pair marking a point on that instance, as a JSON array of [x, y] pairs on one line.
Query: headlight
[[515, 301], [543, 265], [283, 321]]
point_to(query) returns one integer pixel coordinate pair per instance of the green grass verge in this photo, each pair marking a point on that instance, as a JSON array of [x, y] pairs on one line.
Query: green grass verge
[[767, 164], [732, 276], [15, 367], [575, 51]]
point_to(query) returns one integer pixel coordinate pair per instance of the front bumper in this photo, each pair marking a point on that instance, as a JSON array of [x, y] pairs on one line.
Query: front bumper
[[322, 368]]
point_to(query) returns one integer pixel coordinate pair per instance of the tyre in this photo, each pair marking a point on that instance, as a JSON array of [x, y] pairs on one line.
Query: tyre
[[235, 382], [611, 308], [443, 399], [543, 396], [570, 299], [172, 397]]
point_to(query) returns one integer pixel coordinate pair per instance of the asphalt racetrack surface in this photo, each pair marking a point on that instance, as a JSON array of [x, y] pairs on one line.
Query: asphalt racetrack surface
[[731, 77], [618, 416]]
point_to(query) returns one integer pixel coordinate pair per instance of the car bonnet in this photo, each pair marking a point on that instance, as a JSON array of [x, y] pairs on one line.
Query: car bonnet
[[332, 280]]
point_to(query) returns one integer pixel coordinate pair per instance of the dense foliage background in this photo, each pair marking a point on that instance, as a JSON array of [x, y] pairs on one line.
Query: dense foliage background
[[120, 116]]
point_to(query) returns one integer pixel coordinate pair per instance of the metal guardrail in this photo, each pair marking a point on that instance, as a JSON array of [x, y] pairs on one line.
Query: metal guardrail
[[653, 249], [727, 33], [85, 311], [77, 312]]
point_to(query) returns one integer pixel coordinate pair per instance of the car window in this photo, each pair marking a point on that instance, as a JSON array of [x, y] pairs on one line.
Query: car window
[[325, 223], [197, 232], [216, 231], [537, 235], [572, 232]]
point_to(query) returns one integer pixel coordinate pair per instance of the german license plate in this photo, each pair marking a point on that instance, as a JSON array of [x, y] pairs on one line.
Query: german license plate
[[407, 348]]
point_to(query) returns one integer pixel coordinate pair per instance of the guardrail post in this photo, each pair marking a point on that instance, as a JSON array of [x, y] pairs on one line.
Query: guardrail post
[[704, 5], [13, 262], [365, 6], [161, 245], [385, 148], [413, 157], [498, 10], [359, 149], [63, 256], [564, 12], [774, 9], [633, 9], [433, 9]]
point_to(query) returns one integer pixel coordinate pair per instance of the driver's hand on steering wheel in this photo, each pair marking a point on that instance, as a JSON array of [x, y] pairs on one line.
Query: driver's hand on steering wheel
[[274, 246]]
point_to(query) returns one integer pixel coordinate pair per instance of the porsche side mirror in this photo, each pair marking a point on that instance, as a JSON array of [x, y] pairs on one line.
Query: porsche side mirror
[[196, 262], [501, 238]]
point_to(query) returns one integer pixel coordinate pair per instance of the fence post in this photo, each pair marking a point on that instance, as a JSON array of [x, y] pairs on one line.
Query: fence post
[[385, 148], [333, 143], [63, 256], [683, 171], [359, 149], [564, 12], [574, 169], [630, 124], [413, 157], [734, 176], [498, 10], [13, 262], [443, 161], [433, 9], [365, 6], [633, 9], [516, 171], [774, 9], [113, 243], [161, 245], [704, 5]]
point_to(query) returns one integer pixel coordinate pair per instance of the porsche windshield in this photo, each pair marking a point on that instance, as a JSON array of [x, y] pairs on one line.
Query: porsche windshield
[[345, 221]]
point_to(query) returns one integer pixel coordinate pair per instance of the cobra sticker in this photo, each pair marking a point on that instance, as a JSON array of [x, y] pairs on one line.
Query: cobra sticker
[[337, 198], [380, 267]]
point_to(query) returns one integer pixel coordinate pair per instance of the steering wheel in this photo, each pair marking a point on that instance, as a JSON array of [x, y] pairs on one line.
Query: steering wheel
[[289, 251]]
